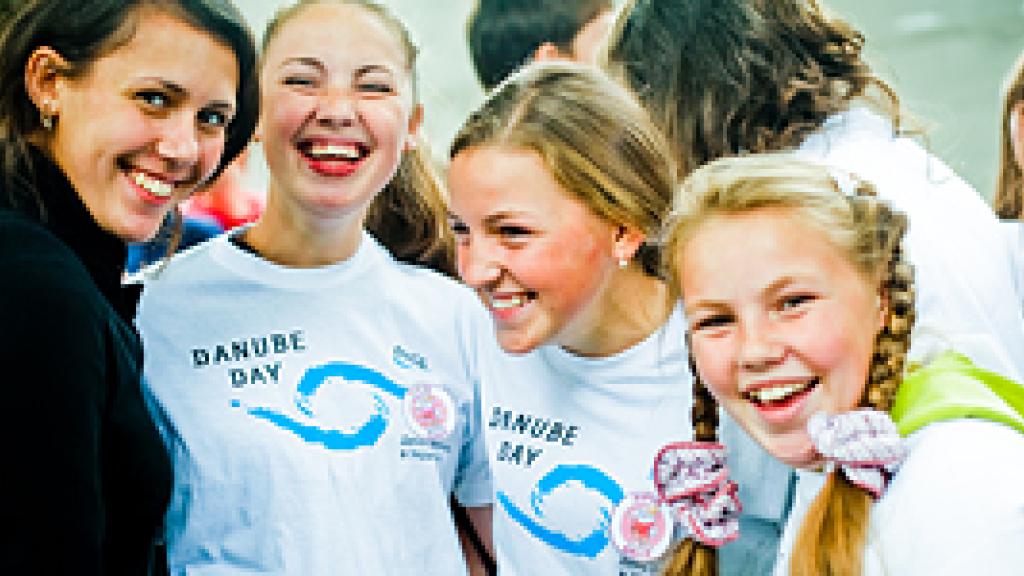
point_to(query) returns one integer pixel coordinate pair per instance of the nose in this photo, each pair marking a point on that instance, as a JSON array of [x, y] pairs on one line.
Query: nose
[[478, 263], [179, 141], [336, 106], [760, 349]]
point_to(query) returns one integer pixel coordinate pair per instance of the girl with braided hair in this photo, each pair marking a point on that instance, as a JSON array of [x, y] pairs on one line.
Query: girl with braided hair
[[799, 304], [723, 77]]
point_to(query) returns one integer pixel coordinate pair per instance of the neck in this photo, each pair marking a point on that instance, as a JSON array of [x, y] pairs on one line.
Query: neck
[[634, 307], [288, 235]]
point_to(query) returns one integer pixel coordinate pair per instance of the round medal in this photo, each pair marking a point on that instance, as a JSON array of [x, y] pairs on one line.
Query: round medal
[[430, 411], [641, 527]]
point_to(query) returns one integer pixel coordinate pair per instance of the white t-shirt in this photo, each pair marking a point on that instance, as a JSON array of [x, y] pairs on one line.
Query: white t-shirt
[[569, 437], [955, 507], [1014, 231], [965, 297], [318, 418]]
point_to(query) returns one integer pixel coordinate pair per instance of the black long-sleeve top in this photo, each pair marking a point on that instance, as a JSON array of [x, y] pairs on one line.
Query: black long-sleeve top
[[85, 479]]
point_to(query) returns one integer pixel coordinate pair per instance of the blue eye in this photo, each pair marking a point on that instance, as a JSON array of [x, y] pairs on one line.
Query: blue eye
[[153, 98], [791, 302], [213, 118]]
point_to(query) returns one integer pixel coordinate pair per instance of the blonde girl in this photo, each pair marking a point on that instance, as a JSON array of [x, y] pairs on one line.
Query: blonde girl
[[800, 304]]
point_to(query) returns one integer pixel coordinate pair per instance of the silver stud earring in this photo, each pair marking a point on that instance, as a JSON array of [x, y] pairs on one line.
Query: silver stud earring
[[623, 262]]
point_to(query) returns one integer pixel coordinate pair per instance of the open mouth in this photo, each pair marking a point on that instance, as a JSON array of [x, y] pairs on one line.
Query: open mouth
[[151, 187], [781, 396], [333, 152], [510, 301]]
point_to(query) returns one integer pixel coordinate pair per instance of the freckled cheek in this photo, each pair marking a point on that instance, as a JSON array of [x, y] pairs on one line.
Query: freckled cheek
[[714, 362]]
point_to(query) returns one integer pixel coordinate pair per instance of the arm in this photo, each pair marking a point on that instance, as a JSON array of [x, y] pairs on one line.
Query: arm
[[52, 349], [474, 527]]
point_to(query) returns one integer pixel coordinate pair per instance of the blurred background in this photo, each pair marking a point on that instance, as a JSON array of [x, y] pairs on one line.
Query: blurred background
[[945, 58]]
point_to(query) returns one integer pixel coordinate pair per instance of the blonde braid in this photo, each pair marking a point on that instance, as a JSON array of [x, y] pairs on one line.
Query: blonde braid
[[691, 558], [893, 341], [834, 532]]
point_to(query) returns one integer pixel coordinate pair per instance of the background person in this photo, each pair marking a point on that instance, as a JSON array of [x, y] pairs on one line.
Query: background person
[[701, 71], [506, 34]]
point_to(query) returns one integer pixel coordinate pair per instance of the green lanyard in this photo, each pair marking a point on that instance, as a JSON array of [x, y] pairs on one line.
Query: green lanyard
[[950, 387]]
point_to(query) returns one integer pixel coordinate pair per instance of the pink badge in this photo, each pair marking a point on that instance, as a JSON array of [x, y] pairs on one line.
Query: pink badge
[[430, 411], [641, 527]]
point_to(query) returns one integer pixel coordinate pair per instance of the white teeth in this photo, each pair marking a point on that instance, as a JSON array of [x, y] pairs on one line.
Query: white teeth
[[155, 187], [779, 392], [505, 302], [347, 151]]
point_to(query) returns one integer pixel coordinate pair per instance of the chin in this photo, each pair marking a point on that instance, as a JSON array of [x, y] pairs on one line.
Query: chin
[[516, 343], [800, 454]]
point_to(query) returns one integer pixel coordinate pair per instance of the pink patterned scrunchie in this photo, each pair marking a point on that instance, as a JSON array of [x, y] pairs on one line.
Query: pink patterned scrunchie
[[864, 443], [693, 480]]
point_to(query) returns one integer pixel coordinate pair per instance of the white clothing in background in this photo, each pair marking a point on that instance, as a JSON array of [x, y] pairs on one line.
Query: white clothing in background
[[965, 296]]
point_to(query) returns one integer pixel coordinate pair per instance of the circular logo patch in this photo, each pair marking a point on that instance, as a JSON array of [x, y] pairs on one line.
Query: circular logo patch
[[430, 411], [641, 527]]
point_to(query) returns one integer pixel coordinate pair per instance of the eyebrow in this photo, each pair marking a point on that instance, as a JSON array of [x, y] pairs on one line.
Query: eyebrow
[[305, 61], [775, 287], [370, 68]]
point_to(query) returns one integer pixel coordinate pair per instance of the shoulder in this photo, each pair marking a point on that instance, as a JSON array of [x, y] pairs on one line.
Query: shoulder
[[966, 466], [957, 491], [422, 291], [37, 264], [45, 290], [955, 451]]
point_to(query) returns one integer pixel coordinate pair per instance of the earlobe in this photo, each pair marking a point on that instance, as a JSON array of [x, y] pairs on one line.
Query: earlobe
[[627, 241], [412, 134]]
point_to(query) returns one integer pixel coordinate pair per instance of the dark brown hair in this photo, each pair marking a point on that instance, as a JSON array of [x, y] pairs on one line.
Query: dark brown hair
[[1009, 197], [82, 32], [728, 76], [504, 34]]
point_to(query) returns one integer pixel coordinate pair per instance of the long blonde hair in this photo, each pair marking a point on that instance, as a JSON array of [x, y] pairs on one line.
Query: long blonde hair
[[869, 233]]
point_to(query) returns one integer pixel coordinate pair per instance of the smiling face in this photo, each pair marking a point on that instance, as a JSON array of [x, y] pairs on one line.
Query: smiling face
[[337, 108], [146, 123], [781, 326], [540, 260]]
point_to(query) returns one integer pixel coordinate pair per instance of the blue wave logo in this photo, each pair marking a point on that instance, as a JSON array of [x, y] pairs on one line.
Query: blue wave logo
[[580, 476], [367, 434]]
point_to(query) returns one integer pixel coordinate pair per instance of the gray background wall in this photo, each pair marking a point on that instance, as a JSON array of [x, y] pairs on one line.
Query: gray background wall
[[946, 59]]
